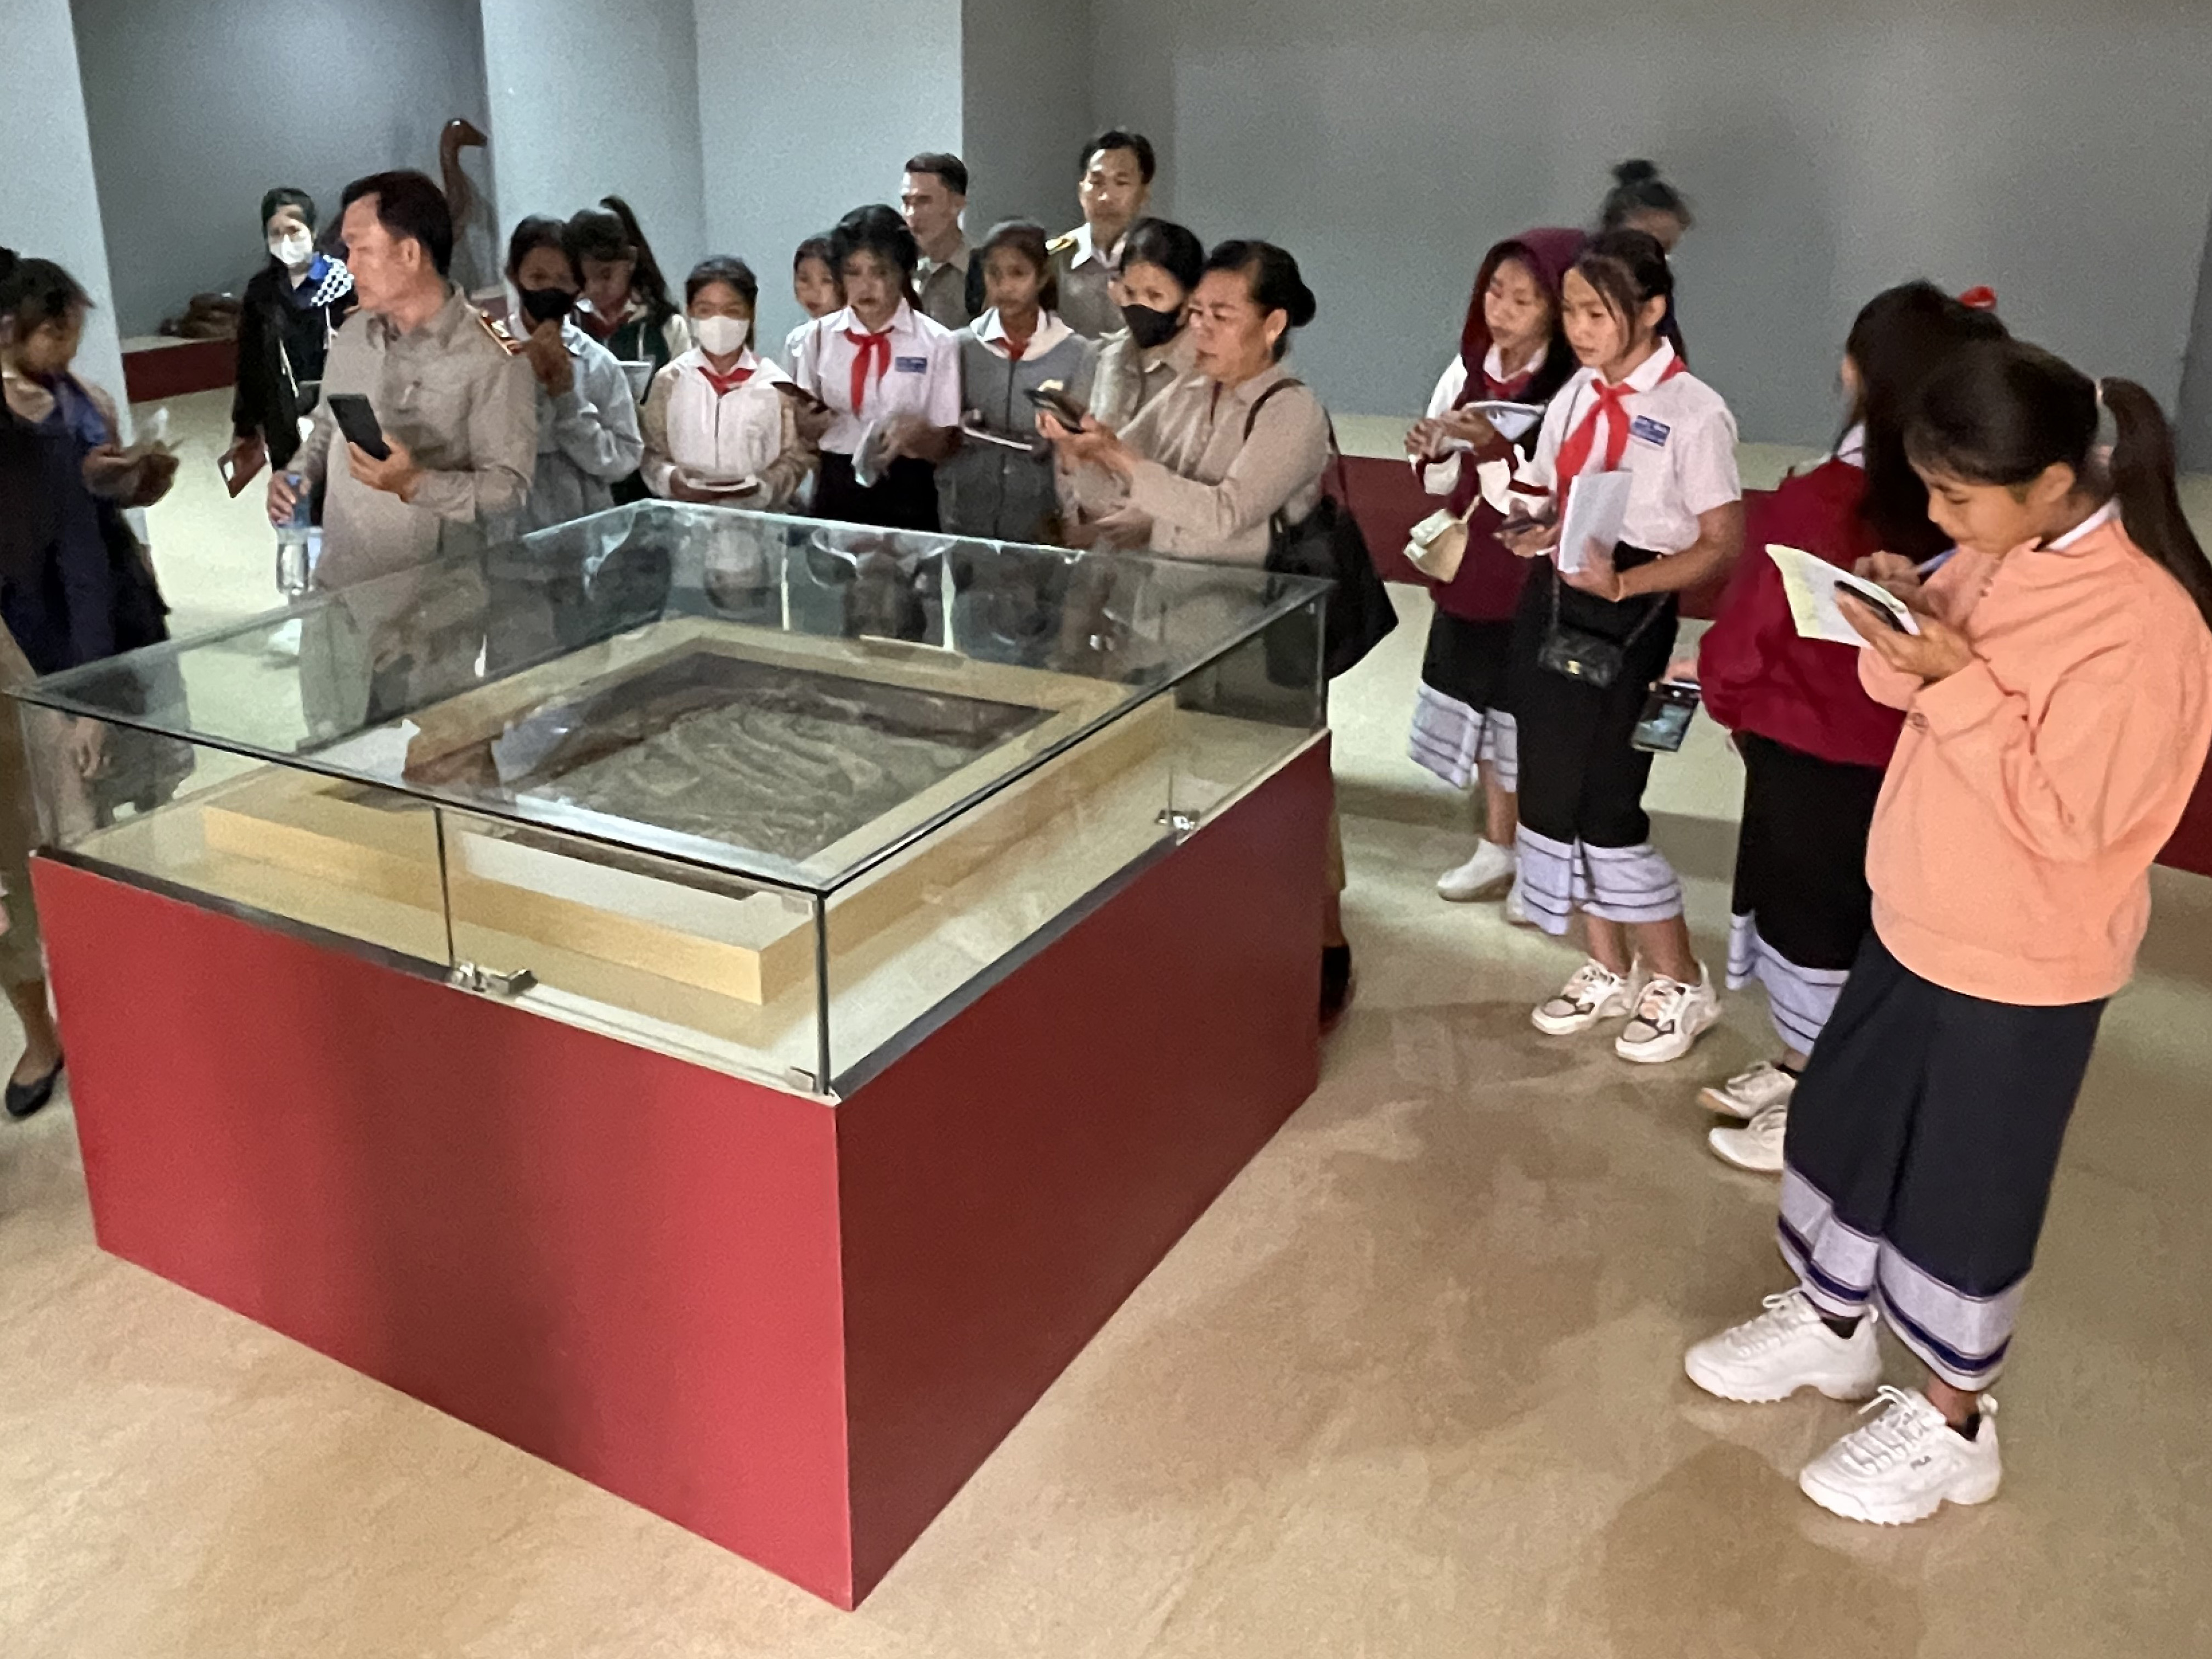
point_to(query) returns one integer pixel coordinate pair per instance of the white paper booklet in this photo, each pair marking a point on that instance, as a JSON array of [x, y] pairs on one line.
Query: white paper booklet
[[1510, 420], [1597, 506], [1811, 584]]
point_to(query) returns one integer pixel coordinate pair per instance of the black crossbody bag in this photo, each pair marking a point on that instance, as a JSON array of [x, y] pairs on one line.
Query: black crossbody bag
[[1580, 655]]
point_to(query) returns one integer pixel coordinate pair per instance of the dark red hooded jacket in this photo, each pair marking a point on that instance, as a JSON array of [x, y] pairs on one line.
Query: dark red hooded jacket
[[1488, 586], [1757, 672]]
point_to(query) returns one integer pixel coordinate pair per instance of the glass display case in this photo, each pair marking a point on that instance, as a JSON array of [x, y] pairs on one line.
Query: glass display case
[[774, 796]]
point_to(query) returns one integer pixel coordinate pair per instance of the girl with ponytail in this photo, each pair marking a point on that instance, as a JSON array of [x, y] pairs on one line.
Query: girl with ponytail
[[627, 303], [2057, 698]]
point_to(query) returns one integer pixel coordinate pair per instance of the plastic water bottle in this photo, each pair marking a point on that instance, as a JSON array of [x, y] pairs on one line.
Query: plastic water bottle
[[292, 540]]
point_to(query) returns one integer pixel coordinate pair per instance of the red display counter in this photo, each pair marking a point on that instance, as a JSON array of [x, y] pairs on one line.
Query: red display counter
[[793, 1325]]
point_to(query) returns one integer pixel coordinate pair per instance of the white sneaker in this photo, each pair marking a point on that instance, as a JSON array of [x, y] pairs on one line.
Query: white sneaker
[[1787, 1348], [1516, 908], [1595, 993], [1480, 876], [1748, 1094], [1906, 1464], [1757, 1146], [1669, 1017]]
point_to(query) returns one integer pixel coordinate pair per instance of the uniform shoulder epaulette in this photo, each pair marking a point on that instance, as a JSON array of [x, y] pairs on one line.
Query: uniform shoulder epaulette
[[498, 332], [1061, 244]]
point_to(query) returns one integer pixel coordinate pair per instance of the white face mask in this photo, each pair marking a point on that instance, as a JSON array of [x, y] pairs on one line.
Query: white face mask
[[294, 249], [721, 336]]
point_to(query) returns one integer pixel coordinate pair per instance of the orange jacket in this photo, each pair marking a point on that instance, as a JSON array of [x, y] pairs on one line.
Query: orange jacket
[[2031, 791]]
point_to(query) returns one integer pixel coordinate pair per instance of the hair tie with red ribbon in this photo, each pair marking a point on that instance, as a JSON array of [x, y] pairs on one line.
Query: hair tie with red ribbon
[[1979, 299]]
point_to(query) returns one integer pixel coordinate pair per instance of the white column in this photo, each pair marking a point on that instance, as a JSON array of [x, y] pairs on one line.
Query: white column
[[594, 98], [807, 112], [50, 208]]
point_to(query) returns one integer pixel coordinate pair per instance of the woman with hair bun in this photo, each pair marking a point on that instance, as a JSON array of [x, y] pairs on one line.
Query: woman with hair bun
[[1205, 468]]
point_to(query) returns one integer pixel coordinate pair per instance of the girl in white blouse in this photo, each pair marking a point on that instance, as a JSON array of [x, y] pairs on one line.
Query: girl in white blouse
[[722, 424], [890, 374], [1597, 628]]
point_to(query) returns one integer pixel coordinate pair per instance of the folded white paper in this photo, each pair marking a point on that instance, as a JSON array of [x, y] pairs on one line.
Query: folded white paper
[[1811, 584], [1510, 421], [1597, 506]]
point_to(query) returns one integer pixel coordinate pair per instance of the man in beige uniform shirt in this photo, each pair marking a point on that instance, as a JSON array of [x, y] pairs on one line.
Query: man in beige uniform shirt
[[459, 412], [1115, 190], [948, 282]]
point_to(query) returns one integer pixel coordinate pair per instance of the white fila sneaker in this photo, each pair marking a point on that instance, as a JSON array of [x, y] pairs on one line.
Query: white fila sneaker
[[1787, 1348], [1906, 1464]]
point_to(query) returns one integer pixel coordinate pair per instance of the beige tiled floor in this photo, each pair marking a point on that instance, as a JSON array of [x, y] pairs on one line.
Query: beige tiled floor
[[1410, 1389]]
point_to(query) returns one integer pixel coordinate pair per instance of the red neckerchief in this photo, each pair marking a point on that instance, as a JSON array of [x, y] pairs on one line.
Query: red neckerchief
[[1611, 407], [724, 385], [867, 347]]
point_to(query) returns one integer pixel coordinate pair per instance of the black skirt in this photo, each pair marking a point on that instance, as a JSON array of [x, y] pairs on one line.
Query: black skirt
[[1801, 907], [905, 498], [1582, 780], [1921, 1145]]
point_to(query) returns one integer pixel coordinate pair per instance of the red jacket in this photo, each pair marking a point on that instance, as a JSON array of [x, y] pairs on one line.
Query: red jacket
[[1757, 674]]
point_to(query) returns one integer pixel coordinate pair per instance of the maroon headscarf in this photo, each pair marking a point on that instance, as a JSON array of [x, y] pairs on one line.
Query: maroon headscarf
[[1549, 254]]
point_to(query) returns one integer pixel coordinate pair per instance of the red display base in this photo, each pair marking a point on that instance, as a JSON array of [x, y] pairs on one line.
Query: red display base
[[793, 1327], [176, 368]]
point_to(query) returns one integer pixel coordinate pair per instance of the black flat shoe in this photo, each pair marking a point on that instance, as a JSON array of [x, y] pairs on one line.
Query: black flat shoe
[[28, 1099], [1336, 984]]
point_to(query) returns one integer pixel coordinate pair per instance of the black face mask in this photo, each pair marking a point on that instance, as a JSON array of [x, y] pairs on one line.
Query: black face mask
[[547, 305], [1151, 327]]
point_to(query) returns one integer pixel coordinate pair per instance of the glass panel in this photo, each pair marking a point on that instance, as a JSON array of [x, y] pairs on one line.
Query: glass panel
[[779, 698], [707, 967], [348, 858], [1246, 712], [933, 919]]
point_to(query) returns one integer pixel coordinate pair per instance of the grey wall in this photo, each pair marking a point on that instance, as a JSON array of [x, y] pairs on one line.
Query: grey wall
[[195, 110], [804, 114], [1025, 92], [591, 98], [49, 209], [2063, 158], [2193, 426]]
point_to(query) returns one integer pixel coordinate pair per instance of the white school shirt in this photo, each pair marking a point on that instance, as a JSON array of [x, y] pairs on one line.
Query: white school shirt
[[724, 436], [1050, 331], [1442, 478], [922, 378], [1680, 452]]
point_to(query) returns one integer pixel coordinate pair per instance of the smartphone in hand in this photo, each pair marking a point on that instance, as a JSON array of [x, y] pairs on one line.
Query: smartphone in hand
[[357, 421], [1666, 719], [1055, 402]]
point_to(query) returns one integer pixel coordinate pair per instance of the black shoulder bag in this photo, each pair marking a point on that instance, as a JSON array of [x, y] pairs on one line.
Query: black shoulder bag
[[1325, 544], [1581, 655]]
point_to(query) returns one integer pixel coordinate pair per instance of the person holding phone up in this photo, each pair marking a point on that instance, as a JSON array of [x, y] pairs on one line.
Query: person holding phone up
[[1814, 744], [1596, 628], [2057, 704], [454, 407], [588, 436], [1208, 465]]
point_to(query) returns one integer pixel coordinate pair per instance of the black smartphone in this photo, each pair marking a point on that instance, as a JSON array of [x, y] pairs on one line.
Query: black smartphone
[[1666, 718], [1062, 408], [358, 422]]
